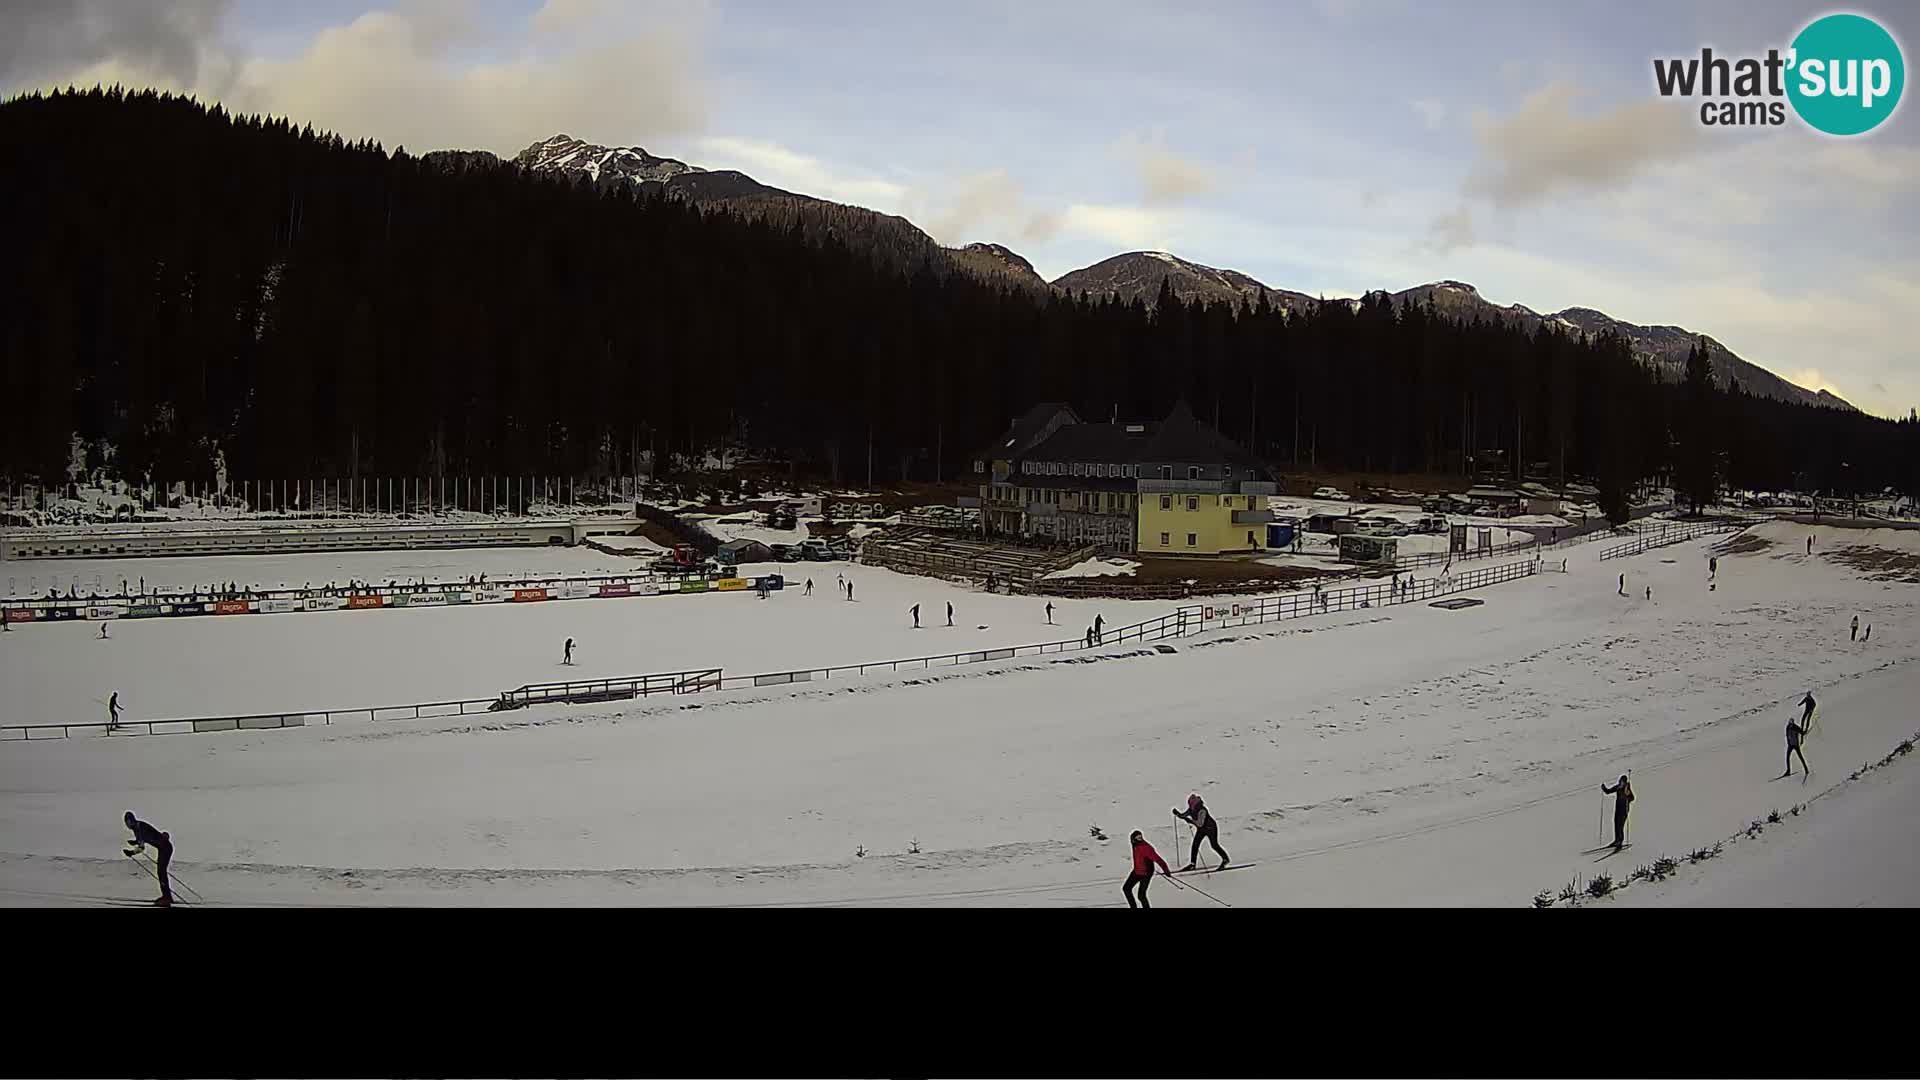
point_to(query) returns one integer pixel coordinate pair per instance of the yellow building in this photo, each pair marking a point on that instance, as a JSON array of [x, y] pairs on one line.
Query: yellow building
[[1175, 487]]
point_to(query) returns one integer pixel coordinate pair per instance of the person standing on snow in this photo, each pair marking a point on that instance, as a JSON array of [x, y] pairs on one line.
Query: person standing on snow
[[915, 612], [949, 613], [1049, 613], [1204, 828], [1807, 705], [1794, 734], [113, 710], [1868, 636], [1854, 635], [849, 589], [1098, 622], [567, 653], [1144, 858], [144, 834], [1623, 584], [809, 591], [1622, 793]]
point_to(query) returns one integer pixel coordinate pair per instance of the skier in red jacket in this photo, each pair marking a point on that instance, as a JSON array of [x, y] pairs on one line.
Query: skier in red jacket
[[1143, 859]]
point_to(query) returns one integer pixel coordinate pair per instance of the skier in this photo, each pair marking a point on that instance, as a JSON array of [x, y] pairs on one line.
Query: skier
[[1809, 543], [103, 631], [1623, 584], [1713, 566], [1855, 635], [1144, 858], [1794, 734], [1089, 638], [1649, 592], [568, 657], [1868, 636], [113, 710], [849, 588], [1099, 621], [949, 613], [1204, 828], [1049, 613], [840, 583], [915, 612], [1622, 793], [1807, 705], [809, 590], [144, 834]]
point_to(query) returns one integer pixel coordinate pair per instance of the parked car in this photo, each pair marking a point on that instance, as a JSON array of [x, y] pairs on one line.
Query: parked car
[[816, 550], [1330, 493], [785, 552], [1439, 504], [1380, 526], [1432, 523]]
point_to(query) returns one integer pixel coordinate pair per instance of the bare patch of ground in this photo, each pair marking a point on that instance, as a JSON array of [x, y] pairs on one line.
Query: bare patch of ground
[[1879, 563], [1746, 544]]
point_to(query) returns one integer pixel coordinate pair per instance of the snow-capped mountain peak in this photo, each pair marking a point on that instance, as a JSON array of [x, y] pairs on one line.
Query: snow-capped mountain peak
[[565, 154]]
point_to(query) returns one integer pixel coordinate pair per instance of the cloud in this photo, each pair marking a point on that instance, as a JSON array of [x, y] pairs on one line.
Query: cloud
[[1451, 230], [772, 163], [568, 16], [162, 39], [974, 201], [1131, 227], [1544, 147], [1432, 113], [405, 76], [1043, 226], [1167, 177]]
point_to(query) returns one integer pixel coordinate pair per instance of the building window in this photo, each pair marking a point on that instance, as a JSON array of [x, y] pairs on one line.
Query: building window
[[1079, 469], [1166, 472], [1100, 469], [1166, 503], [1193, 502], [1193, 539], [1166, 540], [1193, 472], [1250, 538]]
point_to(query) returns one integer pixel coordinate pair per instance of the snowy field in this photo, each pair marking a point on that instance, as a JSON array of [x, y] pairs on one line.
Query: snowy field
[[217, 666], [1396, 756]]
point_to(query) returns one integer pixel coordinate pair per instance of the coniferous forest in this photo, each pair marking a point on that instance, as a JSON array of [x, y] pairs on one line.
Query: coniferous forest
[[179, 280]]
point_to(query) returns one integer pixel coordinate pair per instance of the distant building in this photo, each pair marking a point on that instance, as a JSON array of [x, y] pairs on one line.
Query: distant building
[[1176, 486]]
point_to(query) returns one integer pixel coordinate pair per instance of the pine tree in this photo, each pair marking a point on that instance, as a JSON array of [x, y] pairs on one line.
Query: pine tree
[[1697, 434]]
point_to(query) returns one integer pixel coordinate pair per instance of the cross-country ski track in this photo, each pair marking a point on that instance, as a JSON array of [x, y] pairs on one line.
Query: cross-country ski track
[[1392, 756]]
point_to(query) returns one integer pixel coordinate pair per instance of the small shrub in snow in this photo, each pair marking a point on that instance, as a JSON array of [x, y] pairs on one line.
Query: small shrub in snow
[[1753, 828], [1640, 873], [1663, 866], [860, 852], [1094, 831], [1905, 747], [1543, 898], [913, 848], [1773, 817], [1570, 890], [1600, 886]]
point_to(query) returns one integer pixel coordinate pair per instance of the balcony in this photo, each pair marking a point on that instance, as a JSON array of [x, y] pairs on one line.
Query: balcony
[[1199, 487], [1259, 487], [1252, 517]]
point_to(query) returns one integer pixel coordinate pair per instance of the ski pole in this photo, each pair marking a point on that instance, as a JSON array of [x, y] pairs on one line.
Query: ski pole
[[1199, 890], [173, 876]]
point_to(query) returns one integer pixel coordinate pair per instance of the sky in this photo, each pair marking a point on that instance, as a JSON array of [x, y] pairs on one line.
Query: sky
[[1327, 146]]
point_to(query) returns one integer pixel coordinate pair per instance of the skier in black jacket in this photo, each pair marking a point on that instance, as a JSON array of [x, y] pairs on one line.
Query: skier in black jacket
[[144, 834], [1204, 828], [1622, 793]]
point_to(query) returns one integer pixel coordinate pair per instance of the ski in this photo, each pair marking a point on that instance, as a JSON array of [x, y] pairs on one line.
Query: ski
[[1212, 869], [1613, 851]]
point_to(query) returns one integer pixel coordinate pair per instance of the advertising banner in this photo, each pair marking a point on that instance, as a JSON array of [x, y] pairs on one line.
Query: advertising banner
[[111, 611], [326, 603], [693, 585], [490, 596], [367, 600], [148, 611], [460, 597], [730, 584], [19, 614], [575, 592], [522, 596], [647, 588], [613, 590], [232, 607], [279, 605], [420, 599]]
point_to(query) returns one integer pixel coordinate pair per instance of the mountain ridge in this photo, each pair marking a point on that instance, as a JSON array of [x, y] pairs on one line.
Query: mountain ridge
[[896, 241]]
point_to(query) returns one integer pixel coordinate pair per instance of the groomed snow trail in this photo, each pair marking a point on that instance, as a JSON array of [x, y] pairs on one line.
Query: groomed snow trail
[[1395, 756]]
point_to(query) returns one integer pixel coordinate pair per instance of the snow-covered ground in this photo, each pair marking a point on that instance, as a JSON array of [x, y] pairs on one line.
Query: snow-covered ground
[[1098, 568], [215, 666], [1405, 755]]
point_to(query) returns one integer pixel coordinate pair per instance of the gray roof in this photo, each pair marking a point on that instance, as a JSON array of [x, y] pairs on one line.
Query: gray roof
[[1179, 438]]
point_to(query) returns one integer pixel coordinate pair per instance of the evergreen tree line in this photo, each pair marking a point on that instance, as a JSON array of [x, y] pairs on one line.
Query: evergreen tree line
[[182, 281]]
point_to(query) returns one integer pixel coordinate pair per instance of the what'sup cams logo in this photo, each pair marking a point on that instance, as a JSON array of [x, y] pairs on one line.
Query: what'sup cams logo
[[1843, 75]]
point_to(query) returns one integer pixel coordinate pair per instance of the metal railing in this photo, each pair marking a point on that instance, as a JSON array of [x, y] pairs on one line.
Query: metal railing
[[1671, 534], [587, 691], [1188, 619], [249, 721]]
